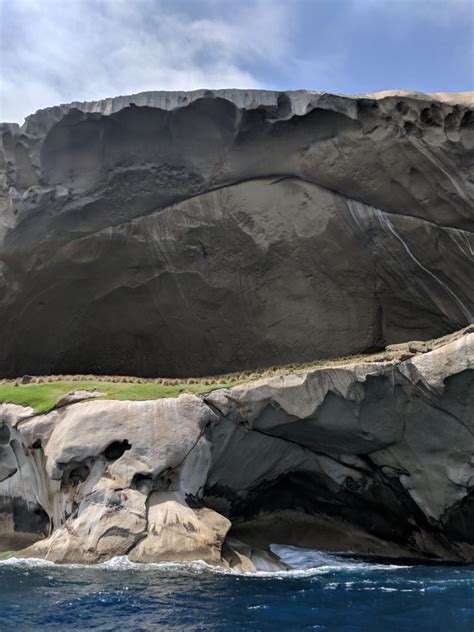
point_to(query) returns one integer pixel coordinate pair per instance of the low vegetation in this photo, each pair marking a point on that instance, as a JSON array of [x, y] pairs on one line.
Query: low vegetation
[[42, 393], [43, 397]]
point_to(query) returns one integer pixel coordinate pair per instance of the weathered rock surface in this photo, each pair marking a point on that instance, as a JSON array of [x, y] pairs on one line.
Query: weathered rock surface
[[189, 233], [178, 533], [373, 457]]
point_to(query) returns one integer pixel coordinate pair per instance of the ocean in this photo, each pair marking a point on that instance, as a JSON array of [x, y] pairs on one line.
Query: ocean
[[322, 592]]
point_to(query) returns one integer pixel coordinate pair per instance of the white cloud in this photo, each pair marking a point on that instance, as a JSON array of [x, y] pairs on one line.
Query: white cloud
[[55, 51], [443, 13], [89, 49]]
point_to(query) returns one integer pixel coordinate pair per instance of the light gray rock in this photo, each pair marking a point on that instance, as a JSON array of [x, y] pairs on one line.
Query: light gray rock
[[77, 396], [241, 557], [107, 523], [386, 448], [177, 533], [369, 457], [95, 469], [179, 234]]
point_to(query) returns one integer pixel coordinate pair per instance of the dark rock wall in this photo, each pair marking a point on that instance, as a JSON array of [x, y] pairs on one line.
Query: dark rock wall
[[210, 238]]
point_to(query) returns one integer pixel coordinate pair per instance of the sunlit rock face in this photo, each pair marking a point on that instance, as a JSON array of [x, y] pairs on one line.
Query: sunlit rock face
[[191, 233], [375, 458]]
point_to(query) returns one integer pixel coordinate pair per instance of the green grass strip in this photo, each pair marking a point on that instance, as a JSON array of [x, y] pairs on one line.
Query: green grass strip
[[44, 397]]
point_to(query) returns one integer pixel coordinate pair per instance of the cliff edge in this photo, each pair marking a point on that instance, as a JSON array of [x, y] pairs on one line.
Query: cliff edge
[[185, 234]]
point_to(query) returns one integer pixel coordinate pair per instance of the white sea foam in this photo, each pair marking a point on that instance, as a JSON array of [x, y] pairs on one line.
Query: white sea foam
[[28, 562], [302, 562], [313, 560]]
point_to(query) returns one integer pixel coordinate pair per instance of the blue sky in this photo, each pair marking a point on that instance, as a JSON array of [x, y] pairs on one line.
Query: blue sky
[[55, 51]]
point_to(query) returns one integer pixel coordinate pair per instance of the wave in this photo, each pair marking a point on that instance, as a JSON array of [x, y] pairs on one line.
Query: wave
[[26, 563], [312, 559], [302, 563]]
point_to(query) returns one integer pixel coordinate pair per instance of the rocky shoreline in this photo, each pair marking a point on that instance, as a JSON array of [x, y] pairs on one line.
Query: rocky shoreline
[[210, 233], [372, 458]]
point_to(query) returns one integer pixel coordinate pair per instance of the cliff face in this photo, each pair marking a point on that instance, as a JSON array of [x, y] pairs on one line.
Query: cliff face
[[190, 233], [181, 234], [372, 457]]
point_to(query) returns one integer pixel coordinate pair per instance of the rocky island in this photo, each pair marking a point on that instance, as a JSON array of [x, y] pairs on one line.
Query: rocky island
[[193, 234]]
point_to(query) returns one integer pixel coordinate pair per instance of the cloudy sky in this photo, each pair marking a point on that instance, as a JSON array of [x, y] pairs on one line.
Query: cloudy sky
[[55, 51]]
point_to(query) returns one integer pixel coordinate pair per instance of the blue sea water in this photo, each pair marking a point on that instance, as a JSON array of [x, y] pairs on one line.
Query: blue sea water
[[323, 592]]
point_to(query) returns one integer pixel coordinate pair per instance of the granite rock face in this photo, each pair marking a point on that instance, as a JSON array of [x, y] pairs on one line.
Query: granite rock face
[[190, 233], [372, 457]]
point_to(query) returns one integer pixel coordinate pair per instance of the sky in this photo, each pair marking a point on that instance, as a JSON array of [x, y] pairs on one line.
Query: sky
[[57, 51]]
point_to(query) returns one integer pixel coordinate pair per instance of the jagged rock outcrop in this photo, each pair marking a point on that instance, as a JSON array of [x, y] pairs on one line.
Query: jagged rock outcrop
[[189, 233], [371, 457]]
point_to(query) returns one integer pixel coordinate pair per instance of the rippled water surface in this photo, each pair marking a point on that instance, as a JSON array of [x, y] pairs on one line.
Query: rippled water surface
[[322, 593]]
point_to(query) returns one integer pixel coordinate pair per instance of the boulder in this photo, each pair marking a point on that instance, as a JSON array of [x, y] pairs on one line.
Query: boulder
[[177, 533], [106, 524], [241, 557]]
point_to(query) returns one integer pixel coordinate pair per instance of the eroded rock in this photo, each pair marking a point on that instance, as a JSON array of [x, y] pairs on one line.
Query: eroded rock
[[372, 458], [178, 533], [180, 234]]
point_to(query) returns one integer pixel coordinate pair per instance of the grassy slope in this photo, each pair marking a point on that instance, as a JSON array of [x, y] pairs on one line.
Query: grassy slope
[[43, 397]]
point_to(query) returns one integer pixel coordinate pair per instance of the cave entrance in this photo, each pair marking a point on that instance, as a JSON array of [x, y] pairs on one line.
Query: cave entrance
[[29, 519], [116, 449]]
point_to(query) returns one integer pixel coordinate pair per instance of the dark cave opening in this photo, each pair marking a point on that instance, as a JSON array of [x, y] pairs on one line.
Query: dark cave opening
[[29, 519], [116, 449], [376, 505], [79, 474]]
